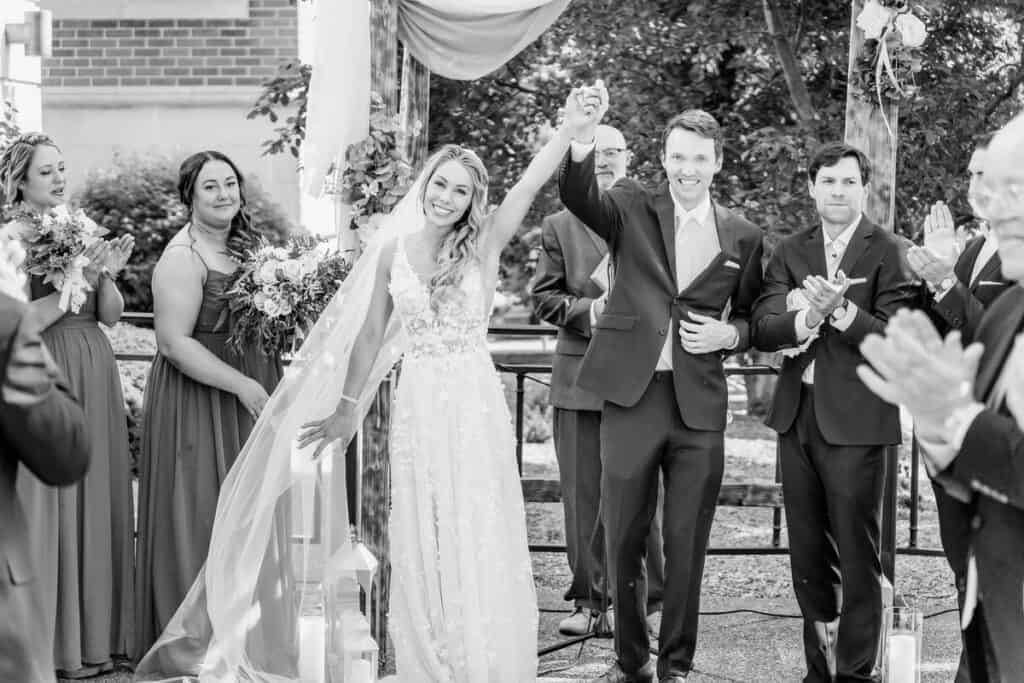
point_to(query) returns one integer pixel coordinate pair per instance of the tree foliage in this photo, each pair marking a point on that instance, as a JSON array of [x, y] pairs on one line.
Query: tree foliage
[[773, 72]]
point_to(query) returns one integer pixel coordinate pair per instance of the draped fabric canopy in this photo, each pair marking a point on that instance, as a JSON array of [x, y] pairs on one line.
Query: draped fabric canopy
[[453, 38]]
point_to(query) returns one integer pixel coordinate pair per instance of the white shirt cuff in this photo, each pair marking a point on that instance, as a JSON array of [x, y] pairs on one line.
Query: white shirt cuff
[[593, 313], [803, 332], [735, 339], [579, 150], [842, 324], [942, 295]]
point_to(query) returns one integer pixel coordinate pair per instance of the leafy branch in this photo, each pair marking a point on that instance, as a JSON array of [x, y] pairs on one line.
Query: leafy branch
[[289, 87]]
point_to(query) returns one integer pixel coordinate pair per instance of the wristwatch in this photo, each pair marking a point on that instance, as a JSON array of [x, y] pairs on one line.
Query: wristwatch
[[839, 312]]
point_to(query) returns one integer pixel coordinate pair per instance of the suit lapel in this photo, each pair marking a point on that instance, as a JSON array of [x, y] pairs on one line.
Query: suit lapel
[[726, 235], [666, 211], [859, 243], [1000, 347], [965, 264], [991, 271]]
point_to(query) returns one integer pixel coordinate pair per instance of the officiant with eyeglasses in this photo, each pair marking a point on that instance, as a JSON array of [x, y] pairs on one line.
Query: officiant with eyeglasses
[[573, 277]]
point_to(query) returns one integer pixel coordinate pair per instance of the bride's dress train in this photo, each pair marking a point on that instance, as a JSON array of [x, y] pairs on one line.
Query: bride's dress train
[[463, 604]]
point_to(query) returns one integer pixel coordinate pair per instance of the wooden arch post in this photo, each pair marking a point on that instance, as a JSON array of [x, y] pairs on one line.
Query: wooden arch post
[[371, 466], [874, 129]]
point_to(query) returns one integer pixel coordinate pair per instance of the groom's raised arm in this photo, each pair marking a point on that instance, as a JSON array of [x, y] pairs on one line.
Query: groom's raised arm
[[577, 187]]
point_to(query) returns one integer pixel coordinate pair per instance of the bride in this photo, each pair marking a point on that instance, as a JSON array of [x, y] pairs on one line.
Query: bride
[[463, 606]]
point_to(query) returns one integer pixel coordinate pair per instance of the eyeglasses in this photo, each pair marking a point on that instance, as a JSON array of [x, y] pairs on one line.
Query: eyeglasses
[[611, 153]]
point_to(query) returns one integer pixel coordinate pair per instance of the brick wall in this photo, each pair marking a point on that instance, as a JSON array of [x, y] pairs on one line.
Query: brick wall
[[173, 52]]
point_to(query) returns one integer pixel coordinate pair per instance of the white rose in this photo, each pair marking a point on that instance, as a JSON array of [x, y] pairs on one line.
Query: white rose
[[258, 299], [873, 19], [292, 270], [912, 30], [267, 274], [271, 308], [284, 308], [308, 264]]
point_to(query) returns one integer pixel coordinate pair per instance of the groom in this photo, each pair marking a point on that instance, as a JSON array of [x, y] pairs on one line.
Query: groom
[[687, 274]]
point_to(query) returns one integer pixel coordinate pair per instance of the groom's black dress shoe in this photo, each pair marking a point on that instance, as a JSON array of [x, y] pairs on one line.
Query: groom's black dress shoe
[[646, 674]]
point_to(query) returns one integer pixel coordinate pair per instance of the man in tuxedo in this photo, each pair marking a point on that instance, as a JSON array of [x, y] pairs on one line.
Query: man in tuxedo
[[569, 291], [687, 272], [42, 427], [956, 296], [971, 443], [825, 289]]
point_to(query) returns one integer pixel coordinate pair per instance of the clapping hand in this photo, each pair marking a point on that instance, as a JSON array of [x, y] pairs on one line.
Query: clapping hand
[[823, 296], [914, 367], [704, 334], [930, 265], [119, 250], [97, 255]]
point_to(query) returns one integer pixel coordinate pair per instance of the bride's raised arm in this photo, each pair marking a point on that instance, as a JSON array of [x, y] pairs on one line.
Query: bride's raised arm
[[509, 215]]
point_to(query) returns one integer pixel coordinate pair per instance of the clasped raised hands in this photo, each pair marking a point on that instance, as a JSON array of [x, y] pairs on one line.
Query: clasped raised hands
[[584, 109]]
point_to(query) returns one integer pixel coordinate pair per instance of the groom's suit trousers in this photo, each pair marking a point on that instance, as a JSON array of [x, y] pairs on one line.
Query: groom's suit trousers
[[638, 442]]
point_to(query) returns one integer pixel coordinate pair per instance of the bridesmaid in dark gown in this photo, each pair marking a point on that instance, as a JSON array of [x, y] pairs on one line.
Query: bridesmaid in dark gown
[[201, 399], [82, 534]]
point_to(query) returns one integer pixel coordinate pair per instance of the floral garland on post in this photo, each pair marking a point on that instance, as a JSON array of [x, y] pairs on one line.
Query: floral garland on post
[[378, 172], [891, 58]]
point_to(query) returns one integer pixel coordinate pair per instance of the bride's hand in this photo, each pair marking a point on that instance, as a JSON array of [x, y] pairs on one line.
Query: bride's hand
[[330, 429]]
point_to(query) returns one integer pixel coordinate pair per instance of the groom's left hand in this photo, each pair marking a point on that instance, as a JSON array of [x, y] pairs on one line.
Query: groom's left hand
[[704, 334]]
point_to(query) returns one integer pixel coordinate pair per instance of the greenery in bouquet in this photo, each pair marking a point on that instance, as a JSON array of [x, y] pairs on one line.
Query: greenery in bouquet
[[888, 65], [279, 292], [378, 172], [55, 244]]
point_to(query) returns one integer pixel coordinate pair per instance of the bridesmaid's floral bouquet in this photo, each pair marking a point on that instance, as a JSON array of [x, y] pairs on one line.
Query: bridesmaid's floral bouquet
[[55, 243], [279, 292], [12, 278]]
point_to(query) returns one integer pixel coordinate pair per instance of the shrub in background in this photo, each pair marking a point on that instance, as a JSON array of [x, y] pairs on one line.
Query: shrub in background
[[139, 196]]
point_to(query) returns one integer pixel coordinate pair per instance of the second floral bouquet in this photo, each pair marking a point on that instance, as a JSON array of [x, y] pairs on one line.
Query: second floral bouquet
[[279, 292]]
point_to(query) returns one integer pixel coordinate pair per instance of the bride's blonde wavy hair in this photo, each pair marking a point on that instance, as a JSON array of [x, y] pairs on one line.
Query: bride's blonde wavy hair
[[459, 247]]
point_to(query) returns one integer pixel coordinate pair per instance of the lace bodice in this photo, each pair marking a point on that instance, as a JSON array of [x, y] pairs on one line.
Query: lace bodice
[[458, 325]]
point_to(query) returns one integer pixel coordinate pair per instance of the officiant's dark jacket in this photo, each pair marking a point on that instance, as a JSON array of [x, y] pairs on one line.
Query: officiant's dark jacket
[[990, 465], [848, 413], [49, 439], [644, 306], [562, 292]]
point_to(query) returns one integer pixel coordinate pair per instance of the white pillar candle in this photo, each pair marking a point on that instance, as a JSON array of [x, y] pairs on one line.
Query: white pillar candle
[[360, 672], [312, 648], [902, 658]]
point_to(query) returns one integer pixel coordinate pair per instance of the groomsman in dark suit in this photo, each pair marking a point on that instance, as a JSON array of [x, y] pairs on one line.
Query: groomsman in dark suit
[[972, 444], [687, 272], [956, 296], [825, 289], [42, 427], [569, 291]]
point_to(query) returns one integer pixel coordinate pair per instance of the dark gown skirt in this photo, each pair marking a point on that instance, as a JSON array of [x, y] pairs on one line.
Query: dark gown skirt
[[191, 435]]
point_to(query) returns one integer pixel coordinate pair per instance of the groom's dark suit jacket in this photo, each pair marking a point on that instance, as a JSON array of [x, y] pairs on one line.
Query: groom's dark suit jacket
[[49, 438], [644, 305], [848, 413], [991, 465]]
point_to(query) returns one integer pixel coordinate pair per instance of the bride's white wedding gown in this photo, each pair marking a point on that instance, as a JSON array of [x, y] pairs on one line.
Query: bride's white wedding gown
[[463, 604]]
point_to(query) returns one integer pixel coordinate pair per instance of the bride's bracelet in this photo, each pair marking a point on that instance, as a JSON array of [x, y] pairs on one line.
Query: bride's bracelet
[[349, 399]]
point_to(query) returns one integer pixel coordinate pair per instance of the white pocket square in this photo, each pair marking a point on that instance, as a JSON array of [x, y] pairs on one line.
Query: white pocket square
[[990, 283], [732, 264]]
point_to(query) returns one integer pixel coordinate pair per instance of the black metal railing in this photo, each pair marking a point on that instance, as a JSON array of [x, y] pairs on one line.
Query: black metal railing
[[524, 366]]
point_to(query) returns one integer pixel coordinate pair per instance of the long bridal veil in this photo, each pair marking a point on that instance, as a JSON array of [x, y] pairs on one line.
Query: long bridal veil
[[264, 606]]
